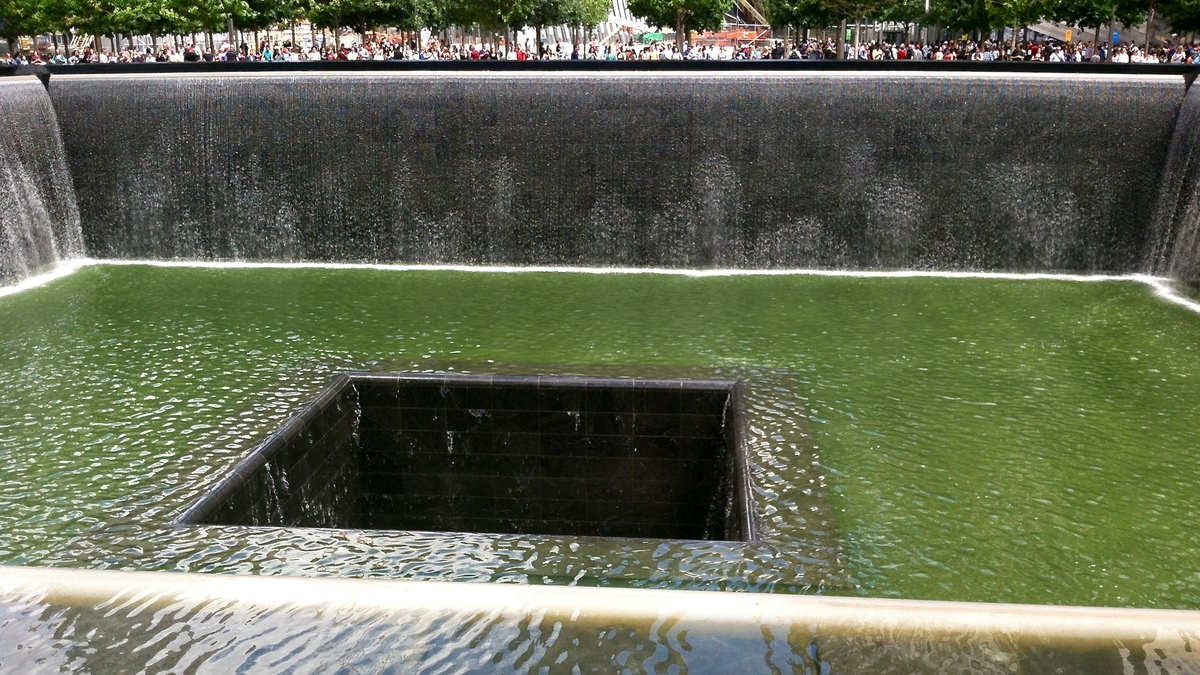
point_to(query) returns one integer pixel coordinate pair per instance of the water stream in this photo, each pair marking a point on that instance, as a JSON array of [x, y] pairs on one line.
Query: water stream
[[39, 217]]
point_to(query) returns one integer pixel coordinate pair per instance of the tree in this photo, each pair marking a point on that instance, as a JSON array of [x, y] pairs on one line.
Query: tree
[[590, 13], [499, 14], [439, 15], [969, 15], [907, 12], [1183, 16], [332, 14], [845, 10], [684, 15], [17, 19], [1083, 13], [1096, 13], [798, 14], [148, 17], [94, 17], [256, 15], [31, 17], [1022, 12], [197, 16], [544, 13]]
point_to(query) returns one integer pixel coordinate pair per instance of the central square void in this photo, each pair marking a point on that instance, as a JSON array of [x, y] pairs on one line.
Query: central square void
[[503, 454]]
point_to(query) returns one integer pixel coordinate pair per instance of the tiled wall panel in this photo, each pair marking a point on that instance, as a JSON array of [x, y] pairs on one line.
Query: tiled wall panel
[[503, 454]]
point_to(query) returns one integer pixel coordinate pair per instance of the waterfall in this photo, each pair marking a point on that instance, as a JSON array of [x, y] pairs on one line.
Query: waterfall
[[39, 217], [1004, 171], [1176, 250]]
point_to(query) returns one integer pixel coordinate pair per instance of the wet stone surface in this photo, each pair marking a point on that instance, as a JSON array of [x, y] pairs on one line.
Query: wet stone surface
[[508, 454]]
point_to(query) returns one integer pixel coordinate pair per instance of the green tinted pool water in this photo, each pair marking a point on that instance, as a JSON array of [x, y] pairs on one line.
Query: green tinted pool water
[[940, 438]]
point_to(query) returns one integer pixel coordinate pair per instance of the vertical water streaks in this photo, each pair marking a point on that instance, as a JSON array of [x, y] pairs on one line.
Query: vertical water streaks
[[1015, 172], [39, 218], [1176, 251]]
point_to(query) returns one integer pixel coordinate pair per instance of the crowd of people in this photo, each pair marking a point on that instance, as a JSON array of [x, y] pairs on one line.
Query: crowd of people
[[433, 50]]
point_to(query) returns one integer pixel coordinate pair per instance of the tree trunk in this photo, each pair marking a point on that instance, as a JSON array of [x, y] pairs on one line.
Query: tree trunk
[[230, 30], [679, 35], [857, 34], [537, 48], [1149, 23], [1112, 27], [841, 40], [293, 34]]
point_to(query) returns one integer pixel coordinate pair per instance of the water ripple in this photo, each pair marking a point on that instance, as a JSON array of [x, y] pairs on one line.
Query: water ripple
[[968, 438]]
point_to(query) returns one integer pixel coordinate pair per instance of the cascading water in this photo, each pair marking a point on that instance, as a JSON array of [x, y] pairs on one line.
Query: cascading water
[[39, 217], [943, 171], [1176, 251]]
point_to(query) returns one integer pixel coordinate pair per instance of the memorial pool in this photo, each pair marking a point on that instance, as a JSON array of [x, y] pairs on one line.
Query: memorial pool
[[986, 396], [988, 439]]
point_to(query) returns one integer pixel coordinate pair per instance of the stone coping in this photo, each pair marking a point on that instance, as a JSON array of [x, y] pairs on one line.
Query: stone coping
[[888, 620]]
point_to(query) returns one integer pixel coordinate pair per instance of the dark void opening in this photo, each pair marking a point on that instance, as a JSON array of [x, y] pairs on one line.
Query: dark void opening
[[610, 457]]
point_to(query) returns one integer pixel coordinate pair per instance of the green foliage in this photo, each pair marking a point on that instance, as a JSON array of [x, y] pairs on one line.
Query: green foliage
[[683, 15], [904, 11], [590, 13], [855, 9], [195, 16], [93, 17], [1021, 12], [148, 17], [441, 14], [16, 19], [1083, 13], [799, 14], [1132, 12], [985, 15], [499, 14], [161, 17], [32, 17], [254, 15], [1183, 16]]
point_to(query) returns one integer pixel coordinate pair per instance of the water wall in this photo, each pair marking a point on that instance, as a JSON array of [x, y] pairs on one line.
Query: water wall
[[1177, 243], [881, 170], [39, 220]]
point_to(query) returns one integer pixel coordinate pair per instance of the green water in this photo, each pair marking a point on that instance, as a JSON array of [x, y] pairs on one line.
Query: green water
[[967, 439]]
